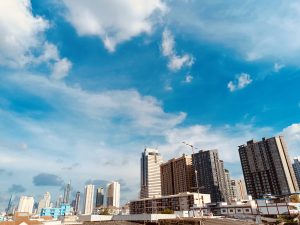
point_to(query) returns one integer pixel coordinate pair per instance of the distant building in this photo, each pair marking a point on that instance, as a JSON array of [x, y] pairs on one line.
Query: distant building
[[267, 168], [26, 204], [89, 199], [59, 201], [238, 190], [100, 197], [150, 173], [227, 185], [44, 202], [177, 176], [296, 167], [211, 174], [113, 194], [180, 202], [77, 202], [67, 193]]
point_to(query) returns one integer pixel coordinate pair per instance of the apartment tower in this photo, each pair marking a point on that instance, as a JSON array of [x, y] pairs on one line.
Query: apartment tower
[[99, 197], [44, 202], [150, 173], [113, 194], [296, 167], [267, 167], [177, 176], [26, 204], [211, 174], [88, 199]]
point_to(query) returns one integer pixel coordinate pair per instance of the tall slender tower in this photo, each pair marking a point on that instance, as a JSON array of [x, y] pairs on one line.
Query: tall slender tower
[[211, 174], [296, 167], [150, 173], [267, 167], [89, 199], [67, 193], [113, 194], [99, 197], [77, 202]]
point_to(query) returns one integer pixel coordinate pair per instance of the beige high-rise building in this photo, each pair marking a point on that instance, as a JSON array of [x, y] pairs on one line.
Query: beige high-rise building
[[177, 176], [150, 173], [44, 202], [113, 194], [89, 199], [238, 190], [267, 167], [26, 204]]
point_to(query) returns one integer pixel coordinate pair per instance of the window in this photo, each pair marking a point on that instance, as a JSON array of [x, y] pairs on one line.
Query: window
[[230, 210]]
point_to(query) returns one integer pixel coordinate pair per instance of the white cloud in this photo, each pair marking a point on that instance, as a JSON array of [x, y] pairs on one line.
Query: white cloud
[[113, 21], [188, 79], [278, 67], [22, 41], [255, 30], [20, 32], [241, 82], [292, 138], [61, 69], [176, 62]]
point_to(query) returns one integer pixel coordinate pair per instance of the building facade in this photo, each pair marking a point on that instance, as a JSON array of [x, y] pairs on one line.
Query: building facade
[[267, 168], [113, 194], [180, 202], [89, 199], [44, 202], [26, 204], [296, 167], [177, 176], [238, 190], [100, 197], [150, 173], [211, 174]]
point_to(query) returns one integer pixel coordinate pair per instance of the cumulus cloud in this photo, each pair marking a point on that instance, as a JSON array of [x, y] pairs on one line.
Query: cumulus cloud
[[22, 41], [241, 82], [188, 79], [176, 62], [47, 179], [292, 138], [16, 188], [113, 21]]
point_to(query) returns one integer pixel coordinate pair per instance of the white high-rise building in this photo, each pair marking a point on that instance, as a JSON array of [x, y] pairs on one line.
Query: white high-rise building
[[150, 173], [89, 199], [113, 194], [44, 202], [26, 204]]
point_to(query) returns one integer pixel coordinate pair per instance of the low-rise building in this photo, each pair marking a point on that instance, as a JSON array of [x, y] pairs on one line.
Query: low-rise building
[[179, 202], [56, 212]]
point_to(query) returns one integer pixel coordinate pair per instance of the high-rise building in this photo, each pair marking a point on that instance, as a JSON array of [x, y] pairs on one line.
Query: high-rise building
[[77, 202], [210, 174], [177, 176], [44, 202], [89, 199], [150, 173], [99, 197], [267, 167], [67, 193], [227, 185], [59, 201], [296, 167], [238, 190], [113, 194], [26, 204]]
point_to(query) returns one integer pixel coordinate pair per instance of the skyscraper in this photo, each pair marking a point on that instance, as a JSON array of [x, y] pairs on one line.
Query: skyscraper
[[44, 202], [150, 173], [99, 197], [77, 202], [267, 168], [177, 176], [296, 167], [113, 194], [26, 204], [67, 193], [238, 190], [211, 174], [89, 199]]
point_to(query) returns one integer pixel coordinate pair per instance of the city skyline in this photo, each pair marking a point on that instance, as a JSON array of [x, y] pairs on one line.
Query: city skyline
[[80, 99]]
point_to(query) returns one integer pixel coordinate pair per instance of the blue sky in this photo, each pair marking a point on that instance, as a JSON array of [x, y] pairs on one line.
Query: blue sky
[[86, 85]]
